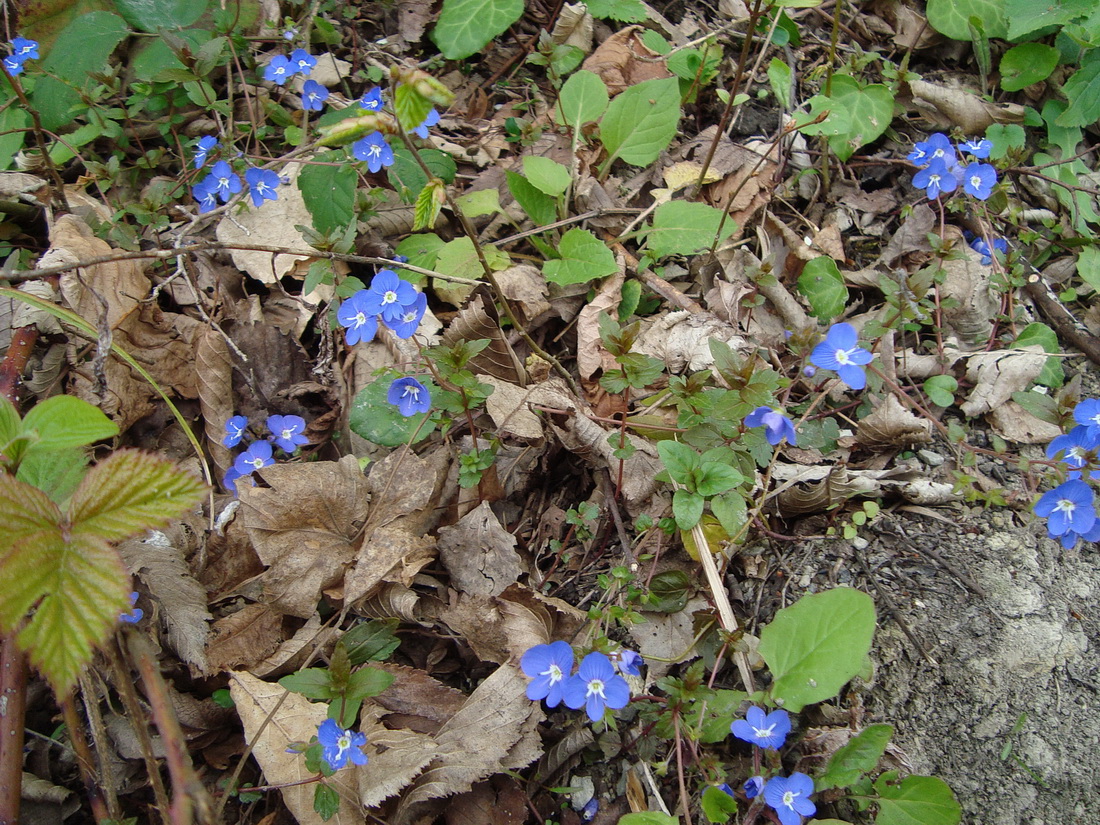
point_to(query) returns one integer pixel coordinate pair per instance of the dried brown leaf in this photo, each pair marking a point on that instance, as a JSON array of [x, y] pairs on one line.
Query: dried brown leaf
[[389, 554], [892, 425], [294, 720], [244, 638], [163, 568], [591, 355], [425, 704], [617, 63], [478, 319], [214, 370], [1014, 423], [295, 652], [479, 553], [948, 107], [396, 758], [400, 484], [306, 528], [499, 801], [997, 375]]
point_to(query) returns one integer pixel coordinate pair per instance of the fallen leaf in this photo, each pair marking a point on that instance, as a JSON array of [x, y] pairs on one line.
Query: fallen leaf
[[244, 638], [997, 375], [479, 553], [295, 720], [892, 425], [617, 63], [389, 554], [396, 758]]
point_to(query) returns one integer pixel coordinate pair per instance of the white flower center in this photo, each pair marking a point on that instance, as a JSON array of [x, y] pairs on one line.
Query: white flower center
[[360, 319], [1077, 453], [415, 393], [1095, 419], [554, 672], [287, 433], [409, 317], [257, 463], [789, 798], [938, 153], [1066, 506], [763, 733], [595, 688], [280, 70], [375, 150], [934, 180], [842, 357], [975, 181], [389, 297]]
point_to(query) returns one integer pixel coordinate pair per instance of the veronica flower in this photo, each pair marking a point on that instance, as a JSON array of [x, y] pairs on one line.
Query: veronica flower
[[278, 70], [549, 666], [763, 730], [206, 143], [287, 431], [409, 396], [341, 746], [406, 324], [1068, 507], [977, 148], [234, 430], [595, 687], [776, 425], [978, 180], [372, 100], [374, 150], [314, 96], [935, 179], [355, 316], [262, 184], [432, 119], [840, 353], [790, 797]]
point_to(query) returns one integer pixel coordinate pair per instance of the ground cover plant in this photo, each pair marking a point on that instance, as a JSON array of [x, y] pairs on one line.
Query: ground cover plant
[[497, 409]]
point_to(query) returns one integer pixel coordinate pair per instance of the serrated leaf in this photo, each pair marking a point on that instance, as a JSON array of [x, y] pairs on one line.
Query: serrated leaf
[[10, 423], [1025, 64], [328, 189], [823, 286], [539, 206], [916, 800], [584, 258], [1027, 16], [582, 99], [428, 203], [1083, 91], [66, 421], [313, 683], [130, 491], [466, 26], [648, 818], [411, 106], [952, 17], [150, 15], [55, 472], [326, 801], [641, 121], [816, 645], [548, 176], [858, 756], [684, 227], [408, 178]]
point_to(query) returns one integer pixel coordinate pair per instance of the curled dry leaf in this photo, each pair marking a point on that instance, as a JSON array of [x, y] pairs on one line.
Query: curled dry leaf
[[997, 375], [214, 369], [389, 554], [417, 701], [244, 638], [298, 650], [946, 108], [296, 719], [1013, 423], [479, 553], [306, 527], [509, 405], [588, 439], [574, 27], [591, 355], [162, 565], [617, 62], [479, 319], [892, 425], [682, 340], [397, 756], [970, 304], [666, 639]]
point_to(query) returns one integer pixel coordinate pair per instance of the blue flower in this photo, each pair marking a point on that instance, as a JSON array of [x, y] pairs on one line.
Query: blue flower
[[287, 430], [206, 143], [627, 661], [549, 666], [374, 150], [14, 65], [763, 730], [1076, 449], [278, 70], [790, 797], [1068, 507], [977, 148], [982, 248], [206, 194], [372, 100], [234, 430], [935, 178], [1088, 413], [302, 62], [389, 295], [226, 182], [590, 809], [596, 686], [421, 131], [407, 323], [978, 180], [136, 613], [839, 352], [256, 457], [23, 49], [409, 396], [355, 316], [753, 786], [262, 184], [1070, 537], [340, 746], [314, 96], [937, 146], [290, 34], [776, 425]]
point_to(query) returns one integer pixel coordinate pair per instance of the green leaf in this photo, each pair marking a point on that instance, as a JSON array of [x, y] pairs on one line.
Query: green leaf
[[150, 15], [624, 11], [154, 60], [82, 48], [687, 509], [583, 98], [940, 389], [823, 286], [641, 121], [377, 420], [55, 472], [1026, 64], [1083, 92], [648, 818], [408, 178], [952, 17], [1027, 16], [314, 683], [75, 583], [65, 421], [479, 202], [1039, 404], [721, 709], [1052, 374], [458, 257], [10, 424], [13, 120], [916, 800], [326, 801], [130, 491], [368, 681], [546, 175], [679, 459], [816, 645], [668, 592], [684, 227], [410, 106], [584, 258], [779, 76], [731, 511], [714, 478], [1005, 137], [539, 206], [422, 250], [329, 192], [859, 756], [466, 26], [428, 203], [718, 806], [372, 641]]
